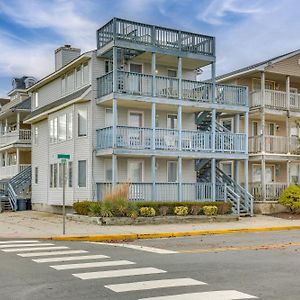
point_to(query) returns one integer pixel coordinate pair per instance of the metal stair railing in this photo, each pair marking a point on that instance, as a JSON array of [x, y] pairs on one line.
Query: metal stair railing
[[233, 198]]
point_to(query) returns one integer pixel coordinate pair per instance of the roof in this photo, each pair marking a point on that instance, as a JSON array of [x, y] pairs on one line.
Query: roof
[[259, 64], [24, 105], [57, 103]]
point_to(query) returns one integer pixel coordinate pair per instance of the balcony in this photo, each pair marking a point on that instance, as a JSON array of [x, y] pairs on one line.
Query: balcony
[[135, 138], [12, 170], [165, 191], [134, 33], [21, 136], [272, 190], [137, 84], [275, 100], [274, 144]]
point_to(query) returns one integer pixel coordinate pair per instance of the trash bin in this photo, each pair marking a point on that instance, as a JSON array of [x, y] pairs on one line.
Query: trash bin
[[22, 203], [28, 204]]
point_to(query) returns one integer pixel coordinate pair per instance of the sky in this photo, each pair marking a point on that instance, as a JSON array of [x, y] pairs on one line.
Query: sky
[[246, 31]]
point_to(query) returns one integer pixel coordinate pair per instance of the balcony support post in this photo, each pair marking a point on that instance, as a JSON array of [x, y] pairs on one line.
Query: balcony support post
[[287, 86], [288, 168], [262, 113], [263, 178], [153, 123], [115, 69], [179, 118], [179, 75], [179, 179], [213, 80], [153, 72], [213, 179], [153, 177], [114, 170], [213, 129], [246, 183], [18, 121], [246, 131], [236, 162], [288, 134], [6, 126], [6, 159], [18, 160], [115, 121]]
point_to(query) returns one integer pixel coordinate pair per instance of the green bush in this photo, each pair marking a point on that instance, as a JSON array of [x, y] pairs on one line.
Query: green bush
[[147, 212], [290, 198], [82, 207], [106, 209], [210, 210], [181, 210], [132, 211], [120, 206], [95, 209]]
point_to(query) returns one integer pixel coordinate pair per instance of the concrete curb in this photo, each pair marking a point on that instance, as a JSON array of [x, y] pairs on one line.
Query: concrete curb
[[137, 236]]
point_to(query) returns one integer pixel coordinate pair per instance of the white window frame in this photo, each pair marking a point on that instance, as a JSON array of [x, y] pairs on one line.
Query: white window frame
[[129, 161], [87, 125], [35, 98], [135, 63], [170, 114], [86, 174], [168, 163], [169, 69]]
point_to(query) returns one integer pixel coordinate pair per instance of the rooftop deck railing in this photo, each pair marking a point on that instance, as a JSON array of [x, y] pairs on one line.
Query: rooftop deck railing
[[132, 83], [168, 139], [139, 33]]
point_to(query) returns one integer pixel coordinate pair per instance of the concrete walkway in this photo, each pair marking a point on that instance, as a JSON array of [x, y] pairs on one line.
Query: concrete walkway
[[27, 224]]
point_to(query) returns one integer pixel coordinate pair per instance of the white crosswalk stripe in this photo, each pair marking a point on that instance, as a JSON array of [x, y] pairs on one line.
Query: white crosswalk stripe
[[214, 295], [19, 242], [118, 273], [93, 265], [25, 245], [52, 253], [138, 247], [34, 249], [153, 284], [69, 258]]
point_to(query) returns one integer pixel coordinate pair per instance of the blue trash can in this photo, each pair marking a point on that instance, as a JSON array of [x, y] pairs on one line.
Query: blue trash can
[[22, 203]]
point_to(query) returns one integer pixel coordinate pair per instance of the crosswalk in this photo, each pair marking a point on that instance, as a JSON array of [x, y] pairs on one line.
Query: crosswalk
[[62, 258]]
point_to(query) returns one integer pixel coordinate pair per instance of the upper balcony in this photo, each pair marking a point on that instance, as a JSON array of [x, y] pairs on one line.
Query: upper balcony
[[137, 84], [151, 38], [21, 136]]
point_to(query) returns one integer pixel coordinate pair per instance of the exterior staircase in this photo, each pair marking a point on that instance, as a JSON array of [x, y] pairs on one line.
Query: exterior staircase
[[17, 187]]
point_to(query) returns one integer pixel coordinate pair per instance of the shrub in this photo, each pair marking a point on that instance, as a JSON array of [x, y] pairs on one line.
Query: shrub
[[290, 197], [181, 210], [95, 209], [147, 212], [82, 207], [133, 211], [195, 210], [210, 210], [120, 207], [106, 209], [163, 210]]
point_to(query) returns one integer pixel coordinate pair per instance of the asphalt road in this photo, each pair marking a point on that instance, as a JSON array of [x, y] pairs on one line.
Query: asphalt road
[[236, 266]]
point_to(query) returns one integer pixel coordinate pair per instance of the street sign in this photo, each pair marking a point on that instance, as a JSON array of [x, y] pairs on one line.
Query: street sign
[[63, 158]]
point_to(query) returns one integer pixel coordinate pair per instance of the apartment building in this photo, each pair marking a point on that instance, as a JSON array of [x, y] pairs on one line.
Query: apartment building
[[15, 143], [132, 111], [274, 148]]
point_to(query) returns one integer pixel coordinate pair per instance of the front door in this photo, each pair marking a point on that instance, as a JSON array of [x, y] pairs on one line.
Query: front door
[[135, 81], [136, 177]]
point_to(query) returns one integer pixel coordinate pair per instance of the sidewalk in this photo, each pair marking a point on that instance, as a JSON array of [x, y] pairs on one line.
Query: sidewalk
[[29, 224]]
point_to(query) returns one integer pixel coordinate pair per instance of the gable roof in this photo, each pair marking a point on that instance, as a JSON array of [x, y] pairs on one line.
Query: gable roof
[[258, 65], [24, 105]]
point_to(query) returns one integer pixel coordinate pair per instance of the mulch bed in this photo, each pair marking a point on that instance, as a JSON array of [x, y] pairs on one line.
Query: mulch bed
[[287, 216]]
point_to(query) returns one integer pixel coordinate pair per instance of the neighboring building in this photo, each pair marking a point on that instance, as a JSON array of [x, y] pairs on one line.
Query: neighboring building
[[133, 111], [15, 141], [274, 148]]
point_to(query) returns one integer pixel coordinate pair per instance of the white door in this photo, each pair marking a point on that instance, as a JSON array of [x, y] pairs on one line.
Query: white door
[[135, 178], [135, 81], [135, 135], [293, 97], [269, 174], [294, 173]]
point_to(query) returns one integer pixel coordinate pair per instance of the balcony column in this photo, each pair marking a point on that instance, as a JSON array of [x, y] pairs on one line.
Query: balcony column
[[262, 114], [18, 160], [236, 162], [263, 177], [287, 86], [6, 126], [179, 75], [114, 121], [114, 170], [115, 69], [153, 177], [213, 129], [213, 179], [153, 123], [246, 131], [288, 134], [179, 179], [288, 167], [153, 72], [246, 182], [18, 121], [213, 80], [213, 161], [179, 118]]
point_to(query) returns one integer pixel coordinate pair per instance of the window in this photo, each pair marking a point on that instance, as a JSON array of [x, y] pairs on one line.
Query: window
[[35, 135], [70, 174], [60, 175], [255, 128], [69, 125], [108, 169], [12, 159], [228, 124], [108, 66], [54, 130], [172, 171], [82, 173], [62, 128], [256, 84], [86, 77], [172, 122], [53, 175], [35, 99], [82, 122], [172, 73], [63, 85], [271, 128], [108, 117], [51, 130], [36, 175], [70, 82], [78, 77], [137, 68], [3, 159]]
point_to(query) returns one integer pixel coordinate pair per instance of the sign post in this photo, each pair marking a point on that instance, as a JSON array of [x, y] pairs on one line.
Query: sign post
[[63, 158]]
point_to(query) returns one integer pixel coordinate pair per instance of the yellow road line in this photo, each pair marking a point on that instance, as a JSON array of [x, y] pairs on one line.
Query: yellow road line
[[242, 248]]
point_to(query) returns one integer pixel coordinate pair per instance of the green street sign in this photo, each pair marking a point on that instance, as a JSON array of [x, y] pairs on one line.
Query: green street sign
[[63, 156]]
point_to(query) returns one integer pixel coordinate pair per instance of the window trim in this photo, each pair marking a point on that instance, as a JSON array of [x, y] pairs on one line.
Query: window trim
[[86, 174], [86, 134], [168, 163]]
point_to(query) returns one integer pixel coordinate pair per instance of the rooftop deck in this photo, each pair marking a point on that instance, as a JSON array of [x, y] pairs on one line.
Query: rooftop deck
[[119, 30]]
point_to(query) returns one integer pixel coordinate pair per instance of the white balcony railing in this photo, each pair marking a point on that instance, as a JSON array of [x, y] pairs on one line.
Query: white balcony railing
[[17, 136], [168, 139], [12, 170], [272, 190]]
